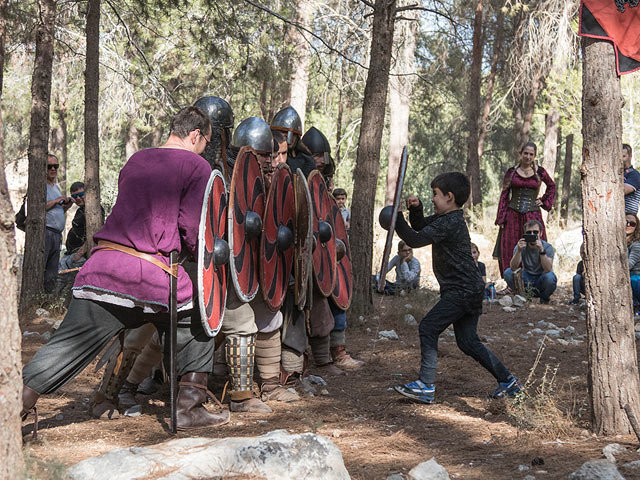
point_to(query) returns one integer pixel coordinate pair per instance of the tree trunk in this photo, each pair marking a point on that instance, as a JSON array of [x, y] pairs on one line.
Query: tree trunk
[[59, 144], [488, 98], [525, 114], [566, 180], [400, 88], [10, 348], [368, 155], [613, 364], [473, 99], [157, 135], [550, 149], [91, 145], [301, 59], [33, 266], [131, 145]]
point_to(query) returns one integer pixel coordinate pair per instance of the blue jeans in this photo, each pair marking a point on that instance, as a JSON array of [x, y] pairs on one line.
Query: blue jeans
[[464, 315], [543, 284], [635, 289], [578, 286]]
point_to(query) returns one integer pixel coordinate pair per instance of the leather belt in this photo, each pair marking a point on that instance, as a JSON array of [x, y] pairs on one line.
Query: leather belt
[[107, 245], [523, 200]]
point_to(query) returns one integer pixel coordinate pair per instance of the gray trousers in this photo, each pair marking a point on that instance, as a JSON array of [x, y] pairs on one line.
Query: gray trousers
[[52, 241], [87, 329]]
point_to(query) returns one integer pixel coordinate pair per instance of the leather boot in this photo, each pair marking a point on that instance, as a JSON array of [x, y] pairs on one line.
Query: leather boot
[[272, 390], [343, 360], [329, 369], [192, 395], [29, 399]]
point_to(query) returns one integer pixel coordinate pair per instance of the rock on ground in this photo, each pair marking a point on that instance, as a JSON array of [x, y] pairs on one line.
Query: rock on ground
[[611, 450], [596, 470], [430, 470], [277, 454]]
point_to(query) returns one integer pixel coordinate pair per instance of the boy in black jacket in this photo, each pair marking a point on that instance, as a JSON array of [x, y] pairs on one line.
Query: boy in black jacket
[[461, 287]]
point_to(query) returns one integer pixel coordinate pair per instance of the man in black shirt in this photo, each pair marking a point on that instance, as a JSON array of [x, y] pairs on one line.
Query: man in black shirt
[[461, 287], [77, 237]]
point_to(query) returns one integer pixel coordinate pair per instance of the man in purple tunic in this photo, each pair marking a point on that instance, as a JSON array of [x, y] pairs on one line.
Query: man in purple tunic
[[125, 282]]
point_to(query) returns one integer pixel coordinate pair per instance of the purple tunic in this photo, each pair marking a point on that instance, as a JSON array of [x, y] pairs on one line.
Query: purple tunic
[[160, 193]]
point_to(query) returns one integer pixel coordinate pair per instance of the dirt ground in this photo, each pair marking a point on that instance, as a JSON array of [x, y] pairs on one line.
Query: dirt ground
[[378, 431]]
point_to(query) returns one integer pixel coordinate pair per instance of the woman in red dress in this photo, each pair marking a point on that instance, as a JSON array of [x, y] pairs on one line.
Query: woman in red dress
[[519, 201]]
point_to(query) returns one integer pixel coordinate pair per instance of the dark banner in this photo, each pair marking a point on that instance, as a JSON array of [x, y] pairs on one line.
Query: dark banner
[[618, 22]]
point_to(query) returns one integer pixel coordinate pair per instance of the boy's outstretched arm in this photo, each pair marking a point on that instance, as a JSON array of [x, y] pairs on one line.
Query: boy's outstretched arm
[[413, 238], [416, 214]]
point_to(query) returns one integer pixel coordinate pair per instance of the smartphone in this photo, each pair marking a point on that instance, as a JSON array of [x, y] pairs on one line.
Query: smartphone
[[530, 237]]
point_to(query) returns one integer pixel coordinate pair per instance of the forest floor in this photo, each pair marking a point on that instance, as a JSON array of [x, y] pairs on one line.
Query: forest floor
[[378, 431]]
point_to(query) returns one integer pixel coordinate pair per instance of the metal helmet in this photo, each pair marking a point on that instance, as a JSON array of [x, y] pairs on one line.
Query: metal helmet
[[315, 140], [287, 120], [218, 110], [255, 133]]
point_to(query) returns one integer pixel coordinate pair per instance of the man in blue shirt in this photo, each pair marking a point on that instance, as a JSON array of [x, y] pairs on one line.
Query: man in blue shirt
[[57, 205], [631, 182]]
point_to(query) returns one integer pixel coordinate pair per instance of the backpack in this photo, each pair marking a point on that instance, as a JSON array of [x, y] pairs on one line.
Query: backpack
[[21, 216]]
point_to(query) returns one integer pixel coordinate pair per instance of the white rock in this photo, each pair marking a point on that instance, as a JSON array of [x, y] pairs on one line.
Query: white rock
[[542, 324], [396, 476], [27, 333], [408, 306], [573, 341], [634, 464], [430, 470], [552, 326], [316, 380], [552, 332], [611, 450], [596, 470], [388, 334], [523, 468], [56, 325], [529, 477], [569, 329], [274, 455], [519, 300], [509, 309], [506, 301], [410, 320], [562, 341], [538, 331], [41, 312]]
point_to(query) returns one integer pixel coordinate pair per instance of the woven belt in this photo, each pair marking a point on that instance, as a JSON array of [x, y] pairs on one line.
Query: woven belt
[[107, 245]]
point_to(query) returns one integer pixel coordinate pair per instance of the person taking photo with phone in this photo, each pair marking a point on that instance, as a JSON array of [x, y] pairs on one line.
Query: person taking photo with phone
[[535, 257]]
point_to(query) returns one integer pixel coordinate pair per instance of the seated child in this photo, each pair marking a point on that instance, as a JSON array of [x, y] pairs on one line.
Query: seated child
[[407, 270], [489, 289], [461, 287]]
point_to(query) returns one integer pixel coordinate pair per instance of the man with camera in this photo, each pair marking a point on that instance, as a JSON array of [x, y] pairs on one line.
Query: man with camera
[[534, 258]]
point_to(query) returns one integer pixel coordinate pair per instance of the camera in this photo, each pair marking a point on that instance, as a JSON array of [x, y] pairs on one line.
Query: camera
[[530, 237]]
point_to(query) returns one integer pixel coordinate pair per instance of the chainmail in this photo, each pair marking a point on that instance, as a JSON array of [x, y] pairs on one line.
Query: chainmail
[[621, 3]]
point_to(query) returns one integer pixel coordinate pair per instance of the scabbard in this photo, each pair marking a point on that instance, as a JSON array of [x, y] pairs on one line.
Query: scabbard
[[173, 341]]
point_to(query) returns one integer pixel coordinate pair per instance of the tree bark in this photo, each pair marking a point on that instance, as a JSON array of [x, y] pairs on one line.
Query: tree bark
[[488, 98], [301, 60], [473, 99], [59, 144], [93, 213], [566, 180], [400, 89], [525, 112], [613, 364], [368, 154], [132, 144], [10, 348], [33, 266], [550, 148]]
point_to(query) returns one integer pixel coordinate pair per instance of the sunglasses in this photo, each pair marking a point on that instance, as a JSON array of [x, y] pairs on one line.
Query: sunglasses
[[631, 223], [406, 250], [76, 195], [52, 166], [532, 232]]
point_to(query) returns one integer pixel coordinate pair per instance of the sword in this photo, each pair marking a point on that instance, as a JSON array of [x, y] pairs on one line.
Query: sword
[[173, 340]]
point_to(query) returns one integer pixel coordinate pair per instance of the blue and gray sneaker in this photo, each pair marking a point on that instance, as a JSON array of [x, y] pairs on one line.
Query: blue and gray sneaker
[[508, 388], [421, 392]]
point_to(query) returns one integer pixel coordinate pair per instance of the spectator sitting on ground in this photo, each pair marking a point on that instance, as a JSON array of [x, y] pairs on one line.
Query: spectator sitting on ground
[[631, 181], [407, 270], [475, 253], [77, 237], [632, 230], [340, 194], [536, 258], [578, 280]]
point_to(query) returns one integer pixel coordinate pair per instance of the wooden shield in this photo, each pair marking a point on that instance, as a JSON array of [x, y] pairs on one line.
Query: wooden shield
[[212, 278], [324, 253], [277, 244], [396, 206], [303, 261], [344, 282], [246, 209]]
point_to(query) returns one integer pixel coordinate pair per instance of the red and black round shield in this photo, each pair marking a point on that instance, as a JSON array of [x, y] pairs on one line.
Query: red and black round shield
[[303, 262], [342, 291], [277, 244], [246, 209], [213, 254], [324, 252]]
